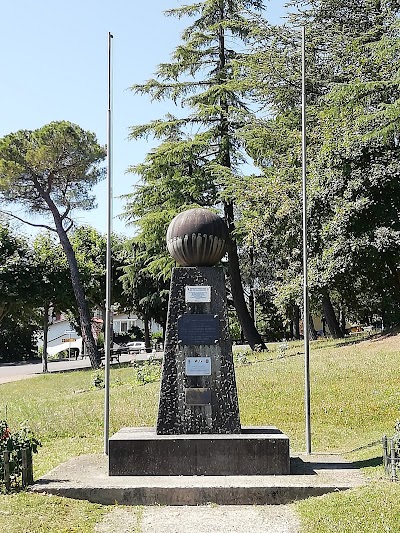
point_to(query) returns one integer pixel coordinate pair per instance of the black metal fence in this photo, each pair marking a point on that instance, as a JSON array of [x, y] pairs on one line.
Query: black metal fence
[[391, 457], [17, 477]]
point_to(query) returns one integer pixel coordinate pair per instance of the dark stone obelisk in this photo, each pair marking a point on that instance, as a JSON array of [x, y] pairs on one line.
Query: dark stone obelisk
[[198, 387], [198, 428]]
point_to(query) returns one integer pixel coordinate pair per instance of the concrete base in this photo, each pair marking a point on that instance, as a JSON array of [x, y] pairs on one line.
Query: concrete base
[[255, 451], [86, 477]]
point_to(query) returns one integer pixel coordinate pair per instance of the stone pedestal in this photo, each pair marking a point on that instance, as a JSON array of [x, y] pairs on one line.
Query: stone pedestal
[[198, 429], [197, 333], [255, 451]]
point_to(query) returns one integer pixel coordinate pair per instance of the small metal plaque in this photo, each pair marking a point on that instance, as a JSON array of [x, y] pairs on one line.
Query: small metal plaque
[[197, 330], [198, 366], [198, 293], [198, 396]]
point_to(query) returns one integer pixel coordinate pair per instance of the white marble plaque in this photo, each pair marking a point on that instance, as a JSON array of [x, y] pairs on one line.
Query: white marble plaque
[[198, 366], [198, 293]]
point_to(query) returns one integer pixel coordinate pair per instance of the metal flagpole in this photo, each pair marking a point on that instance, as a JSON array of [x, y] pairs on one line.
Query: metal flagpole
[[107, 329], [306, 329]]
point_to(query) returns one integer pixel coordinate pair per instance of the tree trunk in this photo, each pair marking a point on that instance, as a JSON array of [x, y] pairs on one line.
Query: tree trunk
[[311, 328], [252, 296], [4, 309], [291, 332], [249, 329], [395, 275], [330, 316], [146, 328], [252, 309], [296, 322], [45, 337], [343, 321], [83, 309]]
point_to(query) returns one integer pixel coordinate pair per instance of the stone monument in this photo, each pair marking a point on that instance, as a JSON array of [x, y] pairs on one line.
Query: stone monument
[[198, 428], [198, 388]]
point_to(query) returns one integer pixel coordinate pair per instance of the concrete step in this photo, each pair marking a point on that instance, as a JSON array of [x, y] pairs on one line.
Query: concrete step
[[86, 477]]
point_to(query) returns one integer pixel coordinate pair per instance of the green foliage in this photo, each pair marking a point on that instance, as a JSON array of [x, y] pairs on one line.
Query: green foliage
[[234, 328], [17, 340], [199, 158], [146, 291], [148, 372], [53, 269], [353, 161], [56, 165], [90, 248], [20, 282], [98, 380], [14, 442], [50, 172], [100, 339]]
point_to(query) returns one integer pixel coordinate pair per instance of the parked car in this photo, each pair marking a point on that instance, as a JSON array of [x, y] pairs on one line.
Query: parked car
[[136, 347]]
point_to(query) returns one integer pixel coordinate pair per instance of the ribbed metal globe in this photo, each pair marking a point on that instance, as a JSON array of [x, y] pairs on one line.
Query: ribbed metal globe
[[197, 237]]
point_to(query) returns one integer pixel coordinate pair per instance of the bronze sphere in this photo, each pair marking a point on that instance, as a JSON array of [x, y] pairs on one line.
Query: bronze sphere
[[197, 237]]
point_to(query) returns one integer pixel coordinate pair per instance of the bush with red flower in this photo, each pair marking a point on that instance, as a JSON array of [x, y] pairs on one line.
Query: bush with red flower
[[14, 442]]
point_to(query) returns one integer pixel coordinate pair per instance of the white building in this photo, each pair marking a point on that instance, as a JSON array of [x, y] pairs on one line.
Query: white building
[[123, 322], [62, 335]]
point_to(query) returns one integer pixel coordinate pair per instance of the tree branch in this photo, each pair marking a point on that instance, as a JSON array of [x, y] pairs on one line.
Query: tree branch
[[26, 222], [66, 213], [71, 223]]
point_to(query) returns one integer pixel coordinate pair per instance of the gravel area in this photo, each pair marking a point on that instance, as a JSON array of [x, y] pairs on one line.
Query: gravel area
[[220, 519], [202, 519], [120, 520]]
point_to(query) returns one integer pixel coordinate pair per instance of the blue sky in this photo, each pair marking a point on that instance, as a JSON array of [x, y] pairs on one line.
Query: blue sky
[[54, 67]]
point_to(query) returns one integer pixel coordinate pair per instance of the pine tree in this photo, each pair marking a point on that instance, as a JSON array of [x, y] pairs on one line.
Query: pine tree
[[203, 147], [353, 170]]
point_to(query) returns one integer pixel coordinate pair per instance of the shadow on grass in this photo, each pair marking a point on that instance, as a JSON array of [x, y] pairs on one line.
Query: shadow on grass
[[300, 467], [368, 463]]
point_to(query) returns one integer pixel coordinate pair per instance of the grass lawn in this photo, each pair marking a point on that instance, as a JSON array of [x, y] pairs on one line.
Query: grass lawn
[[354, 401]]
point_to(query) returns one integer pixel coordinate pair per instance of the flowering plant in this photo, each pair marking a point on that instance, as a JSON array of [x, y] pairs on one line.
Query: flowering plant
[[14, 443]]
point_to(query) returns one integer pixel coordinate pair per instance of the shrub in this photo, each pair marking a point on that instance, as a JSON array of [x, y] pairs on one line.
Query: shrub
[[148, 372], [14, 443], [98, 380]]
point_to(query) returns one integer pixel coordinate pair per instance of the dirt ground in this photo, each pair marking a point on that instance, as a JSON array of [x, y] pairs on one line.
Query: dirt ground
[[202, 519]]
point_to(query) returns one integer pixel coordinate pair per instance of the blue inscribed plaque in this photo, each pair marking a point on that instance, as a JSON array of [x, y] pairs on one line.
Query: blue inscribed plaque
[[197, 330]]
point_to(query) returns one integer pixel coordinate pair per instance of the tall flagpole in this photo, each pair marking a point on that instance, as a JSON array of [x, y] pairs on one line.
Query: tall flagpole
[[108, 324], [306, 329]]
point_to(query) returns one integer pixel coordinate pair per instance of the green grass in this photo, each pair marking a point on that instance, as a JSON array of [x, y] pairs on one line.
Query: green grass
[[66, 411], [35, 513], [354, 393], [370, 509], [354, 401]]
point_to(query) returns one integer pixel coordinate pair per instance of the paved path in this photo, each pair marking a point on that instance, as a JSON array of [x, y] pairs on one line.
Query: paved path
[[220, 519], [202, 519], [86, 477], [23, 370], [17, 371]]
